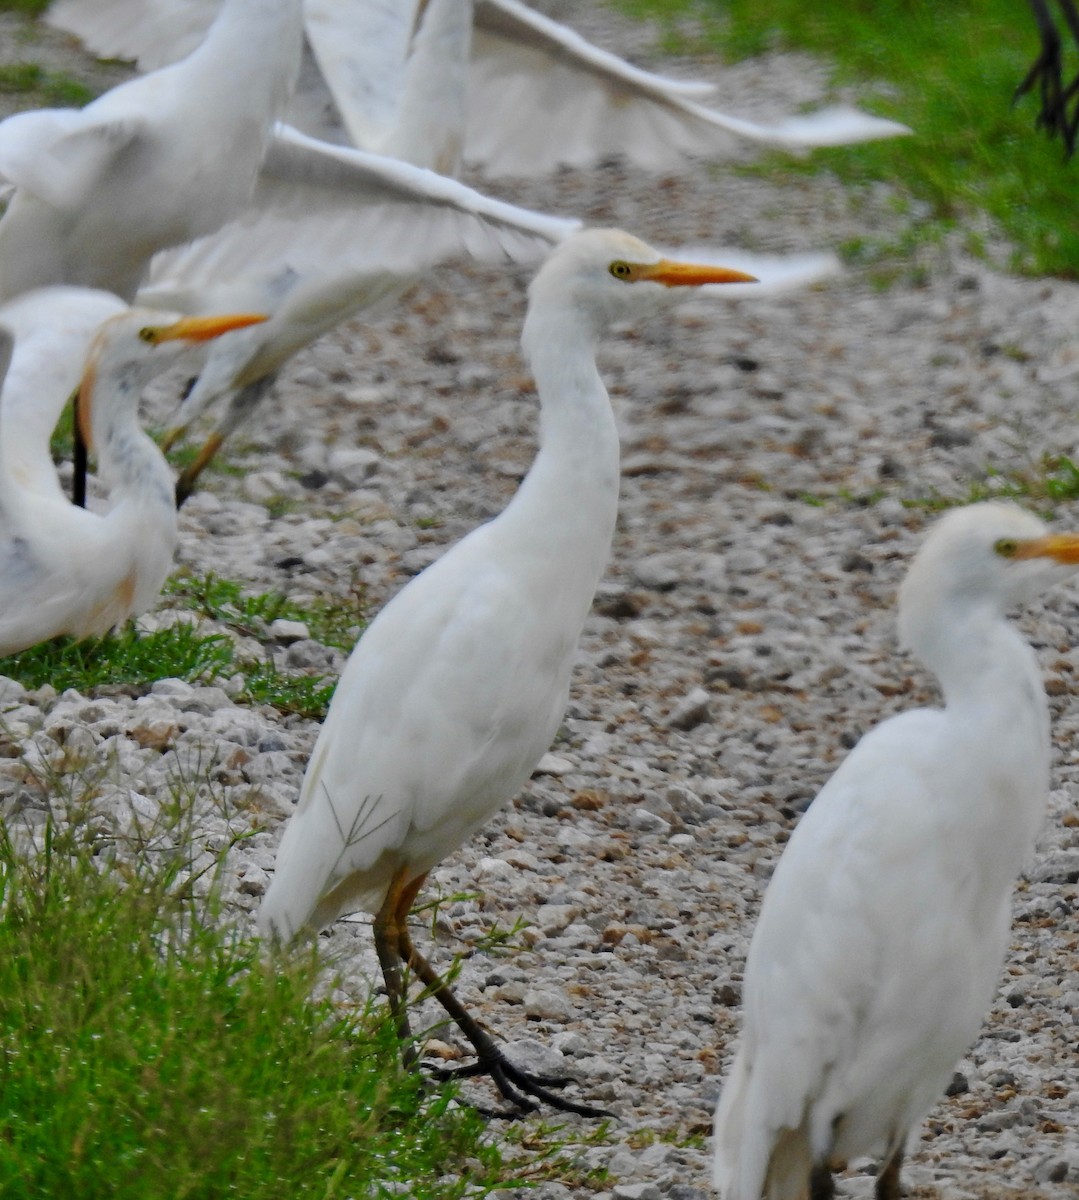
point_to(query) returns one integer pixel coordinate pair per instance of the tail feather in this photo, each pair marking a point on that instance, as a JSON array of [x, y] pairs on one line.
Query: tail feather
[[749, 1164]]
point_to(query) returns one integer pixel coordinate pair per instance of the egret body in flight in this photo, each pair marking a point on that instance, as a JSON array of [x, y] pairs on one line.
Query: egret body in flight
[[154, 162], [456, 689], [435, 83], [492, 83], [884, 928]]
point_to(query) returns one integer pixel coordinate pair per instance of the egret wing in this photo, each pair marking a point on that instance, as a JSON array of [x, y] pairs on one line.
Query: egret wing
[[332, 210], [540, 95], [441, 713], [841, 950], [361, 51], [61, 154], [152, 33]]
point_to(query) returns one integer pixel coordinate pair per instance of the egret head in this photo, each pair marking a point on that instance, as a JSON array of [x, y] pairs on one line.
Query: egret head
[[992, 554], [599, 276], [133, 347]]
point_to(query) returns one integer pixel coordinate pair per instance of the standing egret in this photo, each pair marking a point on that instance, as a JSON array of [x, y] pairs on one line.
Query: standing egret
[[154, 162], [457, 687], [64, 570], [884, 928]]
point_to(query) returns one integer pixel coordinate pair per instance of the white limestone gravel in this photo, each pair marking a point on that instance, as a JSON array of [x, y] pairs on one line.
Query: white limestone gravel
[[741, 642]]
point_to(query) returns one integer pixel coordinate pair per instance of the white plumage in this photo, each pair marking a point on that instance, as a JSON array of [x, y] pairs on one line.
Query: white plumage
[[489, 82], [154, 162], [333, 232], [456, 689], [883, 930], [64, 570]]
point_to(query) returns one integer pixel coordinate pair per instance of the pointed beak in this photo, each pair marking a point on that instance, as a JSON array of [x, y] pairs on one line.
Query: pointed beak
[[202, 329], [1061, 547], [683, 274]]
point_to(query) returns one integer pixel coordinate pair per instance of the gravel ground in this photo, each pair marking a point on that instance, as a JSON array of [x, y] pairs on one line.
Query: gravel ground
[[742, 640]]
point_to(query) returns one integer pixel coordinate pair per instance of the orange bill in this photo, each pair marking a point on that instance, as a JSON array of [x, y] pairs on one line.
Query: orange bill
[[683, 274], [1063, 547], [202, 329]]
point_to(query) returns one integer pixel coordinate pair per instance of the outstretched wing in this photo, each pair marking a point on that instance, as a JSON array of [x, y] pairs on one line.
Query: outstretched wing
[[541, 95], [331, 210]]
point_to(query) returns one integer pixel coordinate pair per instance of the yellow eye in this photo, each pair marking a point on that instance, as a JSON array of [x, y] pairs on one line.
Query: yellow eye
[[148, 333], [1006, 547], [621, 270]]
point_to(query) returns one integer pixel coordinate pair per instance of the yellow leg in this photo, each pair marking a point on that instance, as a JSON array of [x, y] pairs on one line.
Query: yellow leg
[[516, 1085], [185, 484]]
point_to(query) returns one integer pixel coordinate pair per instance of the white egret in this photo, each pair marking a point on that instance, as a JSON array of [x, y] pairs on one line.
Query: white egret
[[884, 928], [64, 570], [457, 687], [331, 231], [154, 162], [491, 82], [53, 329], [275, 259], [533, 95]]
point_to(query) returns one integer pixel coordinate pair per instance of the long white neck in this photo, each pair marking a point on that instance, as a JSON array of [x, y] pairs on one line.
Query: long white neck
[[142, 506], [430, 127], [567, 504], [999, 725], [977, 655]]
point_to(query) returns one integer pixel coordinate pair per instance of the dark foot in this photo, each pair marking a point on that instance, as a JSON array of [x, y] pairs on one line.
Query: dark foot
[[517, 1086], [821, 1183], [887, 1187]]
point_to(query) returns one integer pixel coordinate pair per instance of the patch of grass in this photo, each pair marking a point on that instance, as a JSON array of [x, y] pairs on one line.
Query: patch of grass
[[1052, 480], [948, 71], [251, 613], [126, 657], [46, 88], [305, 695], [29, 8], [149, 1051]]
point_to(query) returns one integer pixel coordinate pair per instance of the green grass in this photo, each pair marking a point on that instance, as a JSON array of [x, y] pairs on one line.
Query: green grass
[[29, 8], [251, 613], [185, 650], [123, 658], [46, 88], [1046, 483], [150, 1052], [1051, 481], [948, 71]]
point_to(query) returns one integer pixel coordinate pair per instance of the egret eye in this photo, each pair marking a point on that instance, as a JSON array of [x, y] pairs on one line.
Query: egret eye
[[621, 270], [148, 334], [1006, 547]]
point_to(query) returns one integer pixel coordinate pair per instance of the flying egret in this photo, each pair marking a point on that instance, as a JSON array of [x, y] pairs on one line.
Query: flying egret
[[883, 931], [490, 82], [154, 162], [64, 570], [457, 687], [275, 260], [331, 231], [533, 95]]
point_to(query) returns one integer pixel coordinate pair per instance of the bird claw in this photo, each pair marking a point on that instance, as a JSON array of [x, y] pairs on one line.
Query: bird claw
[[517, 1085], [480, 1067]]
